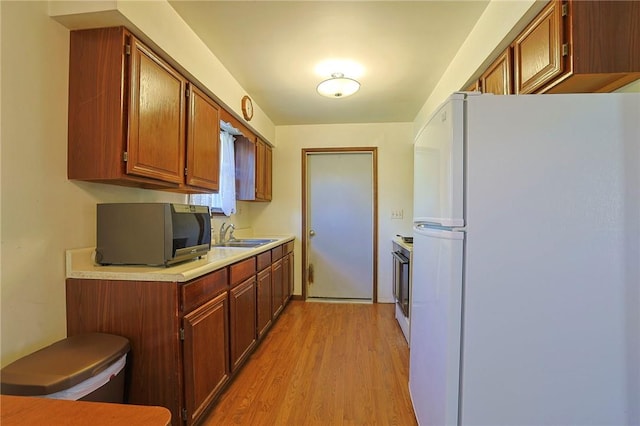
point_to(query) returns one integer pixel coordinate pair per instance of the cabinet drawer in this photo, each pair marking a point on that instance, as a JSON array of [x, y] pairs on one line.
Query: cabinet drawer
[[288, 247], [264, 260], [196, 292], [242, 270], [276, 253]]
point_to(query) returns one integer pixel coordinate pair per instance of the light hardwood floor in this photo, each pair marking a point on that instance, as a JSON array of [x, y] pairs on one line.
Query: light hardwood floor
[[323, 364]]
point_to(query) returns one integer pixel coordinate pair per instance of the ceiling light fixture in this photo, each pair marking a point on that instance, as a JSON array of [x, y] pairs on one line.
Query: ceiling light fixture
[[338, 86]]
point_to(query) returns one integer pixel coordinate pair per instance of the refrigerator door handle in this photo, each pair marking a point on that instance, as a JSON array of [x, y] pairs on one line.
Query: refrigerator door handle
[[440, 232]]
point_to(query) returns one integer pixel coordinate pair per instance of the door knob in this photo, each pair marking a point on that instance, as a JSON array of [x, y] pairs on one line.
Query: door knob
[[312, 233]]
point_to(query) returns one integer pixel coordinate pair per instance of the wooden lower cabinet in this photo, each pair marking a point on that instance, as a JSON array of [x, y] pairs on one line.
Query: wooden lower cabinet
[[242, 302], [206, 359], [263, 294], [497, 78], [147, 313], [288, 271], [187, 339], [276, 288]]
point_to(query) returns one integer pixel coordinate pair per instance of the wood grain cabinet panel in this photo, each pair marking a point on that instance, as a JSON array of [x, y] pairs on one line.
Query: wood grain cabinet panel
[[253, 159], [579, 46], [128, 117], [263, 293], [206, 355], [187, 339], [242, 305], [276, 288], [156, 130], [538, 50], [147, 314], [203, 141], [497, 78], [287, 277]]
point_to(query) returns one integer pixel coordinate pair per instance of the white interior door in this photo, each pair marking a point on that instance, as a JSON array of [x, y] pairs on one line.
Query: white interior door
[[340, 225]]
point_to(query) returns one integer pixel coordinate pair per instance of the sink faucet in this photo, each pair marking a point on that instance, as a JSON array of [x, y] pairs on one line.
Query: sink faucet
[[223, 231]]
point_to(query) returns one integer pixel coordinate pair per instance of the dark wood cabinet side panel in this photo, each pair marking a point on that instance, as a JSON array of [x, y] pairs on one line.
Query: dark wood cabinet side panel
[[619, 50], [146, 313], [96, 96]]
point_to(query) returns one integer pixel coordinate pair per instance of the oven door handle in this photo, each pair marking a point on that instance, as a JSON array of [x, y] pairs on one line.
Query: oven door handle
[[400, 258]]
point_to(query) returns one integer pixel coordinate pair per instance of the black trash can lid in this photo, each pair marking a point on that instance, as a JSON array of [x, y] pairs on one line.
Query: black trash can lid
[[63, 364]]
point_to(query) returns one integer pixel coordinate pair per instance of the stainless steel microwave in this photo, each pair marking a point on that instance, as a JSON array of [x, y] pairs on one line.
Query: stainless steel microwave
[[151, 233]]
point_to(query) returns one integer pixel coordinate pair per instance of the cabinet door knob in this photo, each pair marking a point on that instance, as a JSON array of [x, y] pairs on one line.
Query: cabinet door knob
[[312, 233]]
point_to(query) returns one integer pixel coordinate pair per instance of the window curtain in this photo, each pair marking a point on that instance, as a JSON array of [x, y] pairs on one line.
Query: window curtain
[[225, 199], [227, 193]]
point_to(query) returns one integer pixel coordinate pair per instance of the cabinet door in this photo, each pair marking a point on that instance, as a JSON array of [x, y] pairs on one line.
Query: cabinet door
[[206, 355], [264, 301], [497, 78], [203, 141], [538, 50], [243, 321], [156, 133], [245, 157], [267, 172], [276, 286], [260, 169], [287, 277]]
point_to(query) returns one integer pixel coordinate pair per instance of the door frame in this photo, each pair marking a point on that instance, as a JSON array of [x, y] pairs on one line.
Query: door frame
[[305, 231]]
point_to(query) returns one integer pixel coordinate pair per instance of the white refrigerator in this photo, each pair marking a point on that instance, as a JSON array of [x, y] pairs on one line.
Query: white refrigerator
[[526, 261]]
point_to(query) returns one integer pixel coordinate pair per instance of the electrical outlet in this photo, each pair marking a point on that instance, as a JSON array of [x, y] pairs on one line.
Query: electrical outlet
[[396, 214]]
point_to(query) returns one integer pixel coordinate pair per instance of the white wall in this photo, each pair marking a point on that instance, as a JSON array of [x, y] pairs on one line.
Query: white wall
[[395, 184], [160, 26], [43, 213], [497, 27]]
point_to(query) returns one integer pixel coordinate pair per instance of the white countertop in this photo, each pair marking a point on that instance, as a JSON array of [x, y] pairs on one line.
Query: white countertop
[[80, 264]]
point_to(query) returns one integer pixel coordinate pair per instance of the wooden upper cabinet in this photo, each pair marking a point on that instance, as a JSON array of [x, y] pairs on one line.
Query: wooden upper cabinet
[[497, 78], [538, 50], [203, 141], [253, 169], [128, 117], [263, 171], [156, 131], [268, 172], [579, 46]]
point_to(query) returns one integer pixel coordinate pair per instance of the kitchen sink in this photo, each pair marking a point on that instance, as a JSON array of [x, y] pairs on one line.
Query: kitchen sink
[[246, 243]]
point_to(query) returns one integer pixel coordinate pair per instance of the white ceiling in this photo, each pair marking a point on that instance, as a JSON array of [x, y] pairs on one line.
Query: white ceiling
[[273, 47]]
